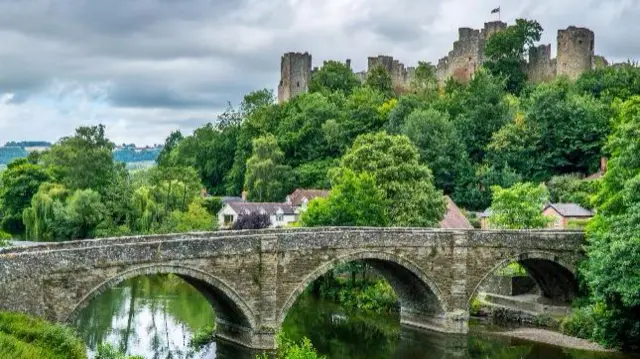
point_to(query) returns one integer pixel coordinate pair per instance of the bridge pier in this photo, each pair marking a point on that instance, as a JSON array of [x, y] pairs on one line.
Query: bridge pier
[[455, 322], [246, 337]]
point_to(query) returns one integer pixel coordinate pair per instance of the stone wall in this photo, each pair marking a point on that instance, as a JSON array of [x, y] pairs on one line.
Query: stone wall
[[252, 278], [575, 51], [400, 75], [295, 75], [541, 68]]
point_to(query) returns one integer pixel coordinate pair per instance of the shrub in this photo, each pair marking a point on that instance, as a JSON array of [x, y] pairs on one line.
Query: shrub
[[24, 337], [107, 351], [580, 323], [4, 239], [202, 337], [252, 221]]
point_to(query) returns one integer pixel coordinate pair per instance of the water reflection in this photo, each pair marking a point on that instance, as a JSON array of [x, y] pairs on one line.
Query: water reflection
[[156, 316]]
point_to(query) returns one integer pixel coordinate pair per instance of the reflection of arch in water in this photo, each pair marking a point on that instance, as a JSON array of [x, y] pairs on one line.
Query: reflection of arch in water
[[419, 296], [232, 313], [555, 277]]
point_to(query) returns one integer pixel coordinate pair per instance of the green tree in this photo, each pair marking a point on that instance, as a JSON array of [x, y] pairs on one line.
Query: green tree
[[196, 218], [18, 184], [611, 82], [425, 81], [379, 79], [506, 52], [360, 115], [333, 76], [519, 207], [479, 110], [83, 161], [45, 219], [395, 163], [439, 145], [267, 179], [84, 211], [561, 133], [354, 200], [169, 145], [613, 253], [403, 108], [573, 188], [474, 184]]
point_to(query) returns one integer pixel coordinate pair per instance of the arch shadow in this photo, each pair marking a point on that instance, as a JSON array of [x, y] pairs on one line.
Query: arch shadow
[[418, 294], [555, 278], [230, 309]]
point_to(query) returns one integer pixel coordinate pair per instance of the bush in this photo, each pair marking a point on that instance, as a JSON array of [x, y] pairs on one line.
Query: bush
[[202, 337], [4, 239], [288, 349], [107, 351], [23, 337], [252, 221], [580, 323]]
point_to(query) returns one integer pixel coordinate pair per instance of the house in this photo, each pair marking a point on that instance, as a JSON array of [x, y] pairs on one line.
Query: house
[[280, 214], [454, 218], [301, 197], [563, 213]]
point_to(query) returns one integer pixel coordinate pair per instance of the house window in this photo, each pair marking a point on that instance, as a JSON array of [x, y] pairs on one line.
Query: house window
[[228, 218], [279, 217]]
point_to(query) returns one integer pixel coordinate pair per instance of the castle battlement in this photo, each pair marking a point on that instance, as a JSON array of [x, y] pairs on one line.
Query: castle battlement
[[575, 55]]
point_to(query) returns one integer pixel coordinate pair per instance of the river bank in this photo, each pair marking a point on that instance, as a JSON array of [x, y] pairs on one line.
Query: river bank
[[553, 338]]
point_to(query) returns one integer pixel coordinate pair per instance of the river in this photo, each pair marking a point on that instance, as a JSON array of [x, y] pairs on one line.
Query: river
[[156, 316]]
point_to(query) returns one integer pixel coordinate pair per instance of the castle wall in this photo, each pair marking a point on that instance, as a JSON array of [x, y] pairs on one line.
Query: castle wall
[[295, 75], [575, 51], [541, 68], [400, 75]]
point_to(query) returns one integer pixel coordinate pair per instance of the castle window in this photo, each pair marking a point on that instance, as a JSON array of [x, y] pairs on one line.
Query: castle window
[[298, 83], [580, 42]]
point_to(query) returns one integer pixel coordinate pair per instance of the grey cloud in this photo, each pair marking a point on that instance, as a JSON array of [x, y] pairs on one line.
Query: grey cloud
[[174, 64]]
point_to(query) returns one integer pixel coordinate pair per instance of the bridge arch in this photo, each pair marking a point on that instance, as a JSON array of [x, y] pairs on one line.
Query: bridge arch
[[419, 295], [555, 277], [233, 315]]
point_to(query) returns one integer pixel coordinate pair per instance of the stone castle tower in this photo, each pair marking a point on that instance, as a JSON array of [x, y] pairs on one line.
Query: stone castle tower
[[575, 51], [295, 75], [575, 55]]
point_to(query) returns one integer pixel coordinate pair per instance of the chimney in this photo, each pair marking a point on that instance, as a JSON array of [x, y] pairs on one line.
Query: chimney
[[244, 195], [603, 165]]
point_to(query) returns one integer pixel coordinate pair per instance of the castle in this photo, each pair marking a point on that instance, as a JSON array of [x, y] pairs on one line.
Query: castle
[[575, 55]]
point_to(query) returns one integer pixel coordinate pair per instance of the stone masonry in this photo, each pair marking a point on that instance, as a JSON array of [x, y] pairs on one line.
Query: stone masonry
[[252, 278], [575, 55]]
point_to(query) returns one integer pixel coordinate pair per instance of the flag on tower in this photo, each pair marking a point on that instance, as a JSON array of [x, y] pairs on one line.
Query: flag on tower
[[496, 10]]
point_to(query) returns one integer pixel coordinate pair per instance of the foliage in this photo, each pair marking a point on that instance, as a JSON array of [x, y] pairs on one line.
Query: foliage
[[18, 184], [379, 79], [474, 187], [195, 219], [252, 221], [408, 185], [4, 238], [611, 82], [288, 349], [614, 244], [572, 188], [107, 351], [519, 207], [203, 336], [213, 205], [333, 76], [170, 144], [425, 81], [506, 50], [580, 323], [23, 337], [478, 111], [439, 145], [561, 133], [354, 200], [267, 179]]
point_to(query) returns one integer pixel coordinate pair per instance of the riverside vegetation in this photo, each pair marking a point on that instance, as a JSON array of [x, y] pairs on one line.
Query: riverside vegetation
[[388, 157]]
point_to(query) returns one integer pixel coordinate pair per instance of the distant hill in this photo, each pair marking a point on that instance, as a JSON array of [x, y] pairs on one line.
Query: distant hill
[[125, 153]]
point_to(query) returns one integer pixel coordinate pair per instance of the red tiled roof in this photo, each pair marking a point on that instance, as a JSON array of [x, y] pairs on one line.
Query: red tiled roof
[[299, 194], [454, 217]]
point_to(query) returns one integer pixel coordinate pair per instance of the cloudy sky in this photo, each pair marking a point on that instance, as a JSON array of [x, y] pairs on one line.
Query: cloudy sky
[[146, 67]]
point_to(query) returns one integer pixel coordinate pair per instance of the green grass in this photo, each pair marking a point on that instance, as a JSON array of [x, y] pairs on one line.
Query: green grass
[[24, 337]]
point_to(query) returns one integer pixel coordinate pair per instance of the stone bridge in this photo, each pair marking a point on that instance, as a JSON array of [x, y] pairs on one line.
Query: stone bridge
[[252, 278]]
